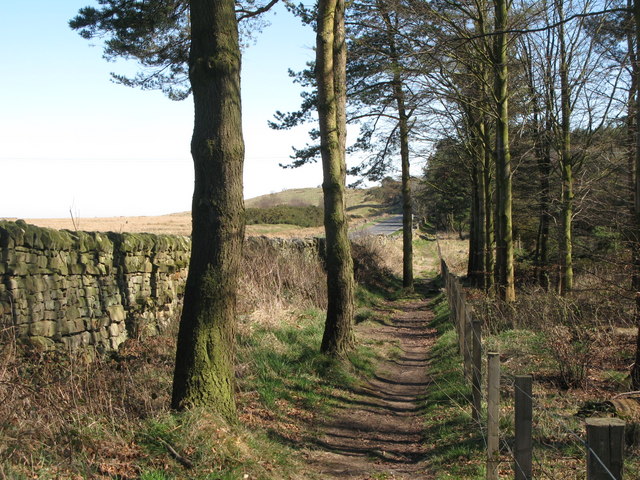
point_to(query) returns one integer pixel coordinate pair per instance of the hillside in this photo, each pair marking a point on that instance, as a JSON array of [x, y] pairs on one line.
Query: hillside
[[359, 206], [359, 203]]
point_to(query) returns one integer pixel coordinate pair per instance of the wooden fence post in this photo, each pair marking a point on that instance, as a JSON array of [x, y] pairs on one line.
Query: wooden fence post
[[460, 312], [605, 440], [467, 345], [476, 369], [524, 415], [493, 415]]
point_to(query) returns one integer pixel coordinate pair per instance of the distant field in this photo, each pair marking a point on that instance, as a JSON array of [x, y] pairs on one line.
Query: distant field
[[358, 207]]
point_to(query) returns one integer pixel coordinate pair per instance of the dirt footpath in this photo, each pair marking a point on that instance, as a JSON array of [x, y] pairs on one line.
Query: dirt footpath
[[377, 433]]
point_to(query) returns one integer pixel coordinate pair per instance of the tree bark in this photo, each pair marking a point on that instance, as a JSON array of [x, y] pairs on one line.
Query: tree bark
[[338, 336], [566, 164], [204, 374], [631, 139], [635, 370], [504, 235], [407, 209], [403, 126], [489, 242], [542, 149], [477, 237], [485, 157]]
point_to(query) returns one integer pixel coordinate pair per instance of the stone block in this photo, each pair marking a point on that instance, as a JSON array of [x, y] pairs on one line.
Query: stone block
[[73, 342], [43, 329], [72, 313], [115, 329], [91, 269], [41, 343], [76, 269], [57, 265], [116, 313], [70, 327], [42, 263], [115, 342], [34, 283]]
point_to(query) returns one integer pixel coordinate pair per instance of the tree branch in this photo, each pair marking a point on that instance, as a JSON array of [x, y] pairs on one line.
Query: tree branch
[[254, 13]]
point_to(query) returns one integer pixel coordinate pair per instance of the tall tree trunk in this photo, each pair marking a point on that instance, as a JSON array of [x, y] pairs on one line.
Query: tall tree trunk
[[472, 259], [331, 78], [631, 149], [542, 242], [204, 373], [475, 267], [403, 127], [542, 150], [407, 209], [566, 164], [504, 235], [635, 371], [489, 259], [485, 154]]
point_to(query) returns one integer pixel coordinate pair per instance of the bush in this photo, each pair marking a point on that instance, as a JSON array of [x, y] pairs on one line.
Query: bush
[[302, 216], [572, 347]]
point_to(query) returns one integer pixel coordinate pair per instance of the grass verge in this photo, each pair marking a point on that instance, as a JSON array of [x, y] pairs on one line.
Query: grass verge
[[458, 448], [64, 418], [455, 442]]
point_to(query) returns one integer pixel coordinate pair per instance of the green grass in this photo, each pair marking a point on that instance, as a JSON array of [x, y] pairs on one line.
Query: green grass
[[457, 444], [287, 365], [359, 204], [303, 216]]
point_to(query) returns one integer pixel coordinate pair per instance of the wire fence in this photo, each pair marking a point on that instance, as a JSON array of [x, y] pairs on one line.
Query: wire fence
[[603, 443]]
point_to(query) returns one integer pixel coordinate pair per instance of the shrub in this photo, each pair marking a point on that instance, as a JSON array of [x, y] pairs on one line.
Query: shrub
[[572, 347], [302, 216]]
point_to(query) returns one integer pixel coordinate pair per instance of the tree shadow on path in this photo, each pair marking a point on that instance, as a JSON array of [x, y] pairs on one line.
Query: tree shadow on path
[[377, 427]]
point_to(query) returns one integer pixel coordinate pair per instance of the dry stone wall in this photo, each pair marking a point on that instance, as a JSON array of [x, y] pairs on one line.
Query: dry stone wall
[[92, 290], [88, 289]]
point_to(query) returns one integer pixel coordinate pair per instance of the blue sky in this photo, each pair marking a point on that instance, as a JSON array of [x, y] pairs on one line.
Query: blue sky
[[72, 139]]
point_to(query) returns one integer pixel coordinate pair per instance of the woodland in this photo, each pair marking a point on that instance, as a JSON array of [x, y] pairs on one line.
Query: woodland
[[525, 113]]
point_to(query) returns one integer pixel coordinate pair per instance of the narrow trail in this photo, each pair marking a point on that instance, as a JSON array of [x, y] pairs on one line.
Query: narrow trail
[[377, 433]]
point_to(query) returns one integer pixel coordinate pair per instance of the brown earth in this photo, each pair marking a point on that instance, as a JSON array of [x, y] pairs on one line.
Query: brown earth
[[377, 431], [172, 224]]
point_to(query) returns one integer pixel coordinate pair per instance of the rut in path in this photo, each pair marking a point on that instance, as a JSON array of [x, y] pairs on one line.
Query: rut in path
[[379, 430]]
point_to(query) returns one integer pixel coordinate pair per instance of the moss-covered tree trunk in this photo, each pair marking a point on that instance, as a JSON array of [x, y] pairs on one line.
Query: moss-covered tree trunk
[[542, 239], [504, 235], [635, 370], [477, 237], [485, 155], [631, 149], [541, 109], [331, 79], [489, 242], [566, 164], [204, 374], [407, 209]]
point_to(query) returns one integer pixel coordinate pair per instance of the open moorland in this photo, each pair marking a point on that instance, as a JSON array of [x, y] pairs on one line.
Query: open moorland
[[360, 206]]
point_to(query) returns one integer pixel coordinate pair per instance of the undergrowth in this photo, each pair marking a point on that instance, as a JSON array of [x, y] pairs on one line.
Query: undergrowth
[[62, 417], [576, 366]]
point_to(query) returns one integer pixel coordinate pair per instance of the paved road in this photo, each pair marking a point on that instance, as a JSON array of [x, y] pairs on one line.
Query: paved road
[[387, 226]]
